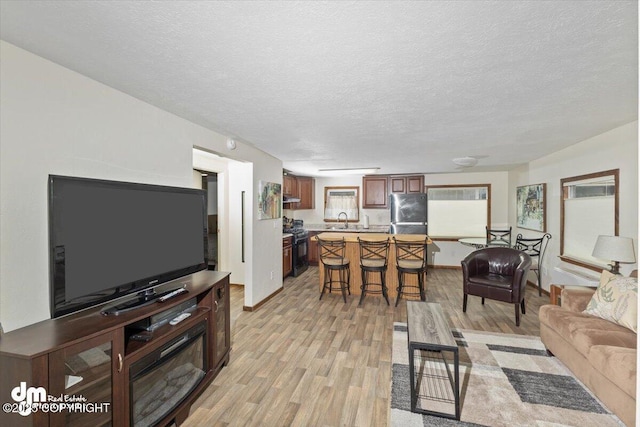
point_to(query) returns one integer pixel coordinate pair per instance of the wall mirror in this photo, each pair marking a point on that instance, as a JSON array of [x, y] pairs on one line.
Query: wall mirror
[[339, 201]]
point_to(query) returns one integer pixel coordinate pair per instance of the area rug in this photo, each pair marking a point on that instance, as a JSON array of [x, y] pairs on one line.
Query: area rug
[[505, 380]]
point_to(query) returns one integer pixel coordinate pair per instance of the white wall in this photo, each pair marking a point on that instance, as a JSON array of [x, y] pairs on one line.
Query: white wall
[[56, 121], [615, 149]]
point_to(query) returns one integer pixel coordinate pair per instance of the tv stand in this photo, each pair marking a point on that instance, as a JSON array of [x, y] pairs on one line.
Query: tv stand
[[146, 297], [90, 355]]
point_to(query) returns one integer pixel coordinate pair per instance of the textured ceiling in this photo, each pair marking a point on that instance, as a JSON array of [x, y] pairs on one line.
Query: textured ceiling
[[404, 86]]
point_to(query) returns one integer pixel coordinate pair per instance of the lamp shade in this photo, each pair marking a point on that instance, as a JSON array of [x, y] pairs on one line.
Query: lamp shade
[[614, 248]]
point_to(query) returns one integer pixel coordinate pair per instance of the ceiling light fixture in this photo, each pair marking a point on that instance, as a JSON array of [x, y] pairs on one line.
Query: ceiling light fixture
[[231, 144], [347, 171], [465, 162]]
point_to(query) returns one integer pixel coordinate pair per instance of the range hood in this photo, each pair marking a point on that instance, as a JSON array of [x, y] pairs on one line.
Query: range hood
[[287, 199]]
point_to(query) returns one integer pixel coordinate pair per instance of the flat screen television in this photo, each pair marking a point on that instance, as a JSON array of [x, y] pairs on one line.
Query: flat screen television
[[111, 239]]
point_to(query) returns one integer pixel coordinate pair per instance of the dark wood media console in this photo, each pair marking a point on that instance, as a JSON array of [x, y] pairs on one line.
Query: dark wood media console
[[85, 358]]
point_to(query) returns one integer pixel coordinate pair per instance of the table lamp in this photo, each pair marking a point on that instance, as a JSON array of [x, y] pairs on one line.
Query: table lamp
[[616, 249]]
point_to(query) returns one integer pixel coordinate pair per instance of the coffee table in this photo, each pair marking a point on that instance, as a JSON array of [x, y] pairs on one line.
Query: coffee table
[[430, 337]]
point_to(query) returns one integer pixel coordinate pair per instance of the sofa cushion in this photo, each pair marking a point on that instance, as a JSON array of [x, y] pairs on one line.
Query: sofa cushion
[[584, 330], [616, 300], [617, 364], [585, 339], [491, 279]]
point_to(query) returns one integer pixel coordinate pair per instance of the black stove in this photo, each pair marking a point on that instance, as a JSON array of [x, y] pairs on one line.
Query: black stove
[[300, 248]]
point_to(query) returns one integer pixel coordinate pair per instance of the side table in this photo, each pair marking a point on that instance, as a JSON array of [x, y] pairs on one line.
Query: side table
[[554, 294]]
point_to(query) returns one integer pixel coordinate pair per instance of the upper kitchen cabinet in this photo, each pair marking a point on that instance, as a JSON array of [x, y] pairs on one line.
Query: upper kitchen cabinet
[[375, 192], [290, 186], [376, 188], [406, 184], [306, 186], [298, 192]]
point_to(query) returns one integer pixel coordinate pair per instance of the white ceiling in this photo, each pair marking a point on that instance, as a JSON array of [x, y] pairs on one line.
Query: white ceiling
[[404, 86]]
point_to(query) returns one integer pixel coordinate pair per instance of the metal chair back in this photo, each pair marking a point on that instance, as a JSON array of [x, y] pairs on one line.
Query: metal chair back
[[499, 236], [411, 255], [374, 254], [332, 252], [535, 248]]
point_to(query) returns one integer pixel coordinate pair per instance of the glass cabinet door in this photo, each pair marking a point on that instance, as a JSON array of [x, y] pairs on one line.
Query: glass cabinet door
[[221, 334], [83, 379]]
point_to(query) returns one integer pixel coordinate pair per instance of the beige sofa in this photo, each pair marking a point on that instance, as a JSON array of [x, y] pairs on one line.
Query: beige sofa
[[600, 353]]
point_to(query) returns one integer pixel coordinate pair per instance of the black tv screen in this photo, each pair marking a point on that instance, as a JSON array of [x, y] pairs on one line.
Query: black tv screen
[[109, 239]]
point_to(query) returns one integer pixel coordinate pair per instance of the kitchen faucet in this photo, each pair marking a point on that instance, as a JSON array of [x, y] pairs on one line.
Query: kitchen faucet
[[346, 219]]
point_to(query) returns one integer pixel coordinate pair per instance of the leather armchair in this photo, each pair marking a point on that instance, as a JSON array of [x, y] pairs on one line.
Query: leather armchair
[[496, 273]]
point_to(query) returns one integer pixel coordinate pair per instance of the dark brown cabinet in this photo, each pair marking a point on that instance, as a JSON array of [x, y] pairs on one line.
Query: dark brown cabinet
[[222, 326], [93, 356], [376, 188], [92, 369], [287, 256], [289, 186], [306, 192], [375, 192], [299, 187], [406, 184]]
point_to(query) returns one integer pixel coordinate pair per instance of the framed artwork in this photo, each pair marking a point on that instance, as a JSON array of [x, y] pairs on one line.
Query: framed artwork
[[531, 207], [269, 200]]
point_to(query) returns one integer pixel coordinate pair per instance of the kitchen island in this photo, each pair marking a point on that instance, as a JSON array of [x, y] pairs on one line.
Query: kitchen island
[[353, 254]]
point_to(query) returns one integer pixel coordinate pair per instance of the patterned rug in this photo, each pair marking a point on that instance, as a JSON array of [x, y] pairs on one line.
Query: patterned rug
[[505, 380]]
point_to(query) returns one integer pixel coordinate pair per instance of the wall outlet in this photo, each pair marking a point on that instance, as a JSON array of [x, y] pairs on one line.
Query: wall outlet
[[272, 275]]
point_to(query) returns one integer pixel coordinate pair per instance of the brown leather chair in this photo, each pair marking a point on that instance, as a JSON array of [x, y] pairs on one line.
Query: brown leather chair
[[496, 273]]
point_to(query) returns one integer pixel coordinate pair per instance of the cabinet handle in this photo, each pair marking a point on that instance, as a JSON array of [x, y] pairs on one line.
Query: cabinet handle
[[119, 362], [216, 303]]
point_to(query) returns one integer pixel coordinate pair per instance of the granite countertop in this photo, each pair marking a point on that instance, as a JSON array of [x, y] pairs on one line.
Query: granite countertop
[[353, 228], [353, 236]]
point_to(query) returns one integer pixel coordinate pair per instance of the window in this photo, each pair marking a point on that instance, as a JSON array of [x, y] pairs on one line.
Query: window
[[589, 208], [341, 199], [458, 210]]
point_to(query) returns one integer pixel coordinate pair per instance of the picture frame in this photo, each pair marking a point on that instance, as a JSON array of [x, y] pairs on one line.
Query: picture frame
[[269, 200], [531, 209]]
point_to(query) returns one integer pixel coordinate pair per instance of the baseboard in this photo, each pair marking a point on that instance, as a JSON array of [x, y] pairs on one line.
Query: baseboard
[[264, 301], [447, 267]]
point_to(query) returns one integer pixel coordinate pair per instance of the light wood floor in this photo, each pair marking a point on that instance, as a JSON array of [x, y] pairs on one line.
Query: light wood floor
[[305, 362]]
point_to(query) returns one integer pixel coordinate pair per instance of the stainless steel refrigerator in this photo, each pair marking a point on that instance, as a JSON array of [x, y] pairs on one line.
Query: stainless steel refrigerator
[[408, 213]]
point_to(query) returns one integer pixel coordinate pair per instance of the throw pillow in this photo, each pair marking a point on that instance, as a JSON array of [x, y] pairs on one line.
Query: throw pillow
[[616, 300]]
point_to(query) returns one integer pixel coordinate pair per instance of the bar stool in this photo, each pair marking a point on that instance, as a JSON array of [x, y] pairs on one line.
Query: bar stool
[[373, 259], [332, 256], [411, 258]]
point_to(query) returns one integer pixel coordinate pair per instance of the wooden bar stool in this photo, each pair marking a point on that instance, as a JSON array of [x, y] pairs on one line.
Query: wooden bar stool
[[373, 259], [411, 258], [332, 256]]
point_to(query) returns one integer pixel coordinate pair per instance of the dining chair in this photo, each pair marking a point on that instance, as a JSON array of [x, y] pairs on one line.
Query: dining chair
[[535, 248], [498, 237]]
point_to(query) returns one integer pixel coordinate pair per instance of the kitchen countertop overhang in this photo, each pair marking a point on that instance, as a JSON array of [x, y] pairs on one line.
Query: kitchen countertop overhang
[[353, 228]]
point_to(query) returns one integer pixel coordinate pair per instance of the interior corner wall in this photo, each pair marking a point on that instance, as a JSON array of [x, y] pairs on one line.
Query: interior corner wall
[[615, 149], [56, 121]]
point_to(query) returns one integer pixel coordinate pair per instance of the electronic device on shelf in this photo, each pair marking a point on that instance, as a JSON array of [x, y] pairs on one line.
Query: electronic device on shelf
[[154, 322], [108, 240]]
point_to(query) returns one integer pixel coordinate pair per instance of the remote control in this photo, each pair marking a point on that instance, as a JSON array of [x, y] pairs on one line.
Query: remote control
[[172, 294], [179, 319]]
